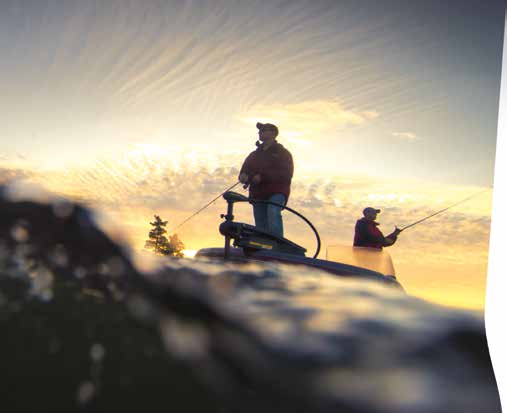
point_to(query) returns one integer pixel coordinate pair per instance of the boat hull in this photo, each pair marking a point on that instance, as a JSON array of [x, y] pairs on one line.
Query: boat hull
[[335, 268]]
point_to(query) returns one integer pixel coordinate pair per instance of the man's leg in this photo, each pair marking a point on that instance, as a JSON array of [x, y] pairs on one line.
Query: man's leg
[[274, 215], [260, 216]]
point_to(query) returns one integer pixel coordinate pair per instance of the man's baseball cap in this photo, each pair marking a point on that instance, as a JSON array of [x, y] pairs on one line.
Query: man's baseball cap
[[370, 209], [262, 126]]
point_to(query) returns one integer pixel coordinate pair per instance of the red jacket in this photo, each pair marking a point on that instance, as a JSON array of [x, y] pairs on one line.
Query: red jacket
[[275, 166], [368, 235]]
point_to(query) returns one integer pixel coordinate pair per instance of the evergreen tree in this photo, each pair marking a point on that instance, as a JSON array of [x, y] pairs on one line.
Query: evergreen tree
[[159, 243], [157, 240], [176, 245]]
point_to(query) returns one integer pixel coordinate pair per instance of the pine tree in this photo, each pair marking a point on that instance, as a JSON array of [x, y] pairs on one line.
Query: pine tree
[[159, 243], [176, 245], [157, 240]]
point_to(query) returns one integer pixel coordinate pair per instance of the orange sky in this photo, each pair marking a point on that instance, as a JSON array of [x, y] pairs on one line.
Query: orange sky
[[443, 259]]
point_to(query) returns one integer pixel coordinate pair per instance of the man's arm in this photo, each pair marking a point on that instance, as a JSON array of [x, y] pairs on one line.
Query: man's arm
[[245, 170], [391, 238]]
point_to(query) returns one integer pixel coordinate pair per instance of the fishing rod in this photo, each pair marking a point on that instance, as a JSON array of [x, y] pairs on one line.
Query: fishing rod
[[204, 207], [442, 210]]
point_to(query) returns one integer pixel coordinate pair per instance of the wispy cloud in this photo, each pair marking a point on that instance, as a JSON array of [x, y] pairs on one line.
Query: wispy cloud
[[308, 118], [132, 187], [178, 186], [9, 175], [407, 136]]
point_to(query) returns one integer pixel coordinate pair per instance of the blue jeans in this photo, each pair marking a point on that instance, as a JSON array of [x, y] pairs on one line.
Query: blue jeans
[[269, 217]]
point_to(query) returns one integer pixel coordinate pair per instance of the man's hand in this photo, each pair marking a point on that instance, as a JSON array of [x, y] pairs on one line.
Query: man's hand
[[243, 178], [388, 241], [396, 231], [256, 179]]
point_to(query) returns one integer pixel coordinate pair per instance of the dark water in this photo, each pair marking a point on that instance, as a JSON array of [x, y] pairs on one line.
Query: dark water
[[85, 329]]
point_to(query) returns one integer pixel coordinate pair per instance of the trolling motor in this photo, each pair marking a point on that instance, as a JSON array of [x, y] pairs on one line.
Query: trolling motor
[[252, 239]]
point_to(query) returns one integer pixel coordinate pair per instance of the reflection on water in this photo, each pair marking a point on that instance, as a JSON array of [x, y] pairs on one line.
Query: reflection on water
[[242, 338]]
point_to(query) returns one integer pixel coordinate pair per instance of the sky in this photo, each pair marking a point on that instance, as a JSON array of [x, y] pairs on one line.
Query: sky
[[137, 108]]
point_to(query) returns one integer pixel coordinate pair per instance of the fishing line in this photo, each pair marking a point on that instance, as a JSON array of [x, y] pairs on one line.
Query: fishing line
[[203, 208], [443, 210]]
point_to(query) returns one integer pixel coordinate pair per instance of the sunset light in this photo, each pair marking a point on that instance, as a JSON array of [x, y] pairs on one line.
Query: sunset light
[[189, 253], [258, 206], [136, 128]]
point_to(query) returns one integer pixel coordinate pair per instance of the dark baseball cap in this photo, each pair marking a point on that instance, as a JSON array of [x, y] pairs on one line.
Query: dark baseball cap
[[262, 126], [370, 209]]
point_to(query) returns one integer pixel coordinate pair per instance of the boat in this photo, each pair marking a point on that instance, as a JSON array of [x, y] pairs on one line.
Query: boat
[[250, 244]]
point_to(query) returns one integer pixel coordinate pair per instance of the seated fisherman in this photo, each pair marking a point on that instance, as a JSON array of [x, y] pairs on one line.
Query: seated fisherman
[[368, 235]]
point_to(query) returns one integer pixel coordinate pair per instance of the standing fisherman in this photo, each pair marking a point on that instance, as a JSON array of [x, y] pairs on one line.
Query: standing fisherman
[[268, 171], [368, 235]]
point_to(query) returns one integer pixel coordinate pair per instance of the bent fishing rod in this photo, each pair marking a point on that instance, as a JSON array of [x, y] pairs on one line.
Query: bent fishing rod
[[442, 210], [204, 207]]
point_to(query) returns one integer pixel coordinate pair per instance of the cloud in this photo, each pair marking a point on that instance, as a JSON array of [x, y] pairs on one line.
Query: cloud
[[372, 114], [129, 189], [149, 179], [407, 136], [307, 118], [9, 175], [12, 158], [181, 183]]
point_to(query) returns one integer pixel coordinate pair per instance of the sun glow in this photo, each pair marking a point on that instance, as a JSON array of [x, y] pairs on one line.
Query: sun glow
[[145, 150], [189, 253]]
